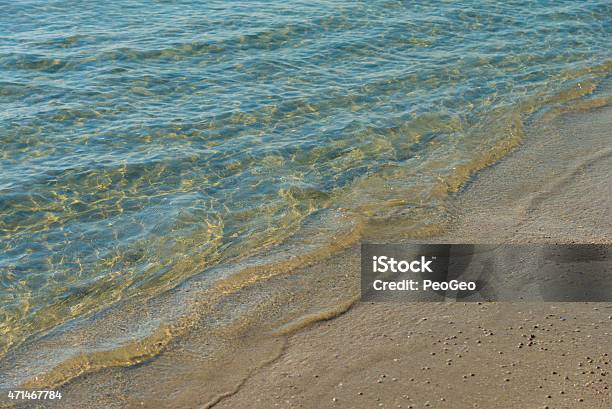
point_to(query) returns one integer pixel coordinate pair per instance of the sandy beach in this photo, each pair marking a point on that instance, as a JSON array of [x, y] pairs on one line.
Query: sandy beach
[[490, 355], [442, 356], [198, 201], [303, 340]]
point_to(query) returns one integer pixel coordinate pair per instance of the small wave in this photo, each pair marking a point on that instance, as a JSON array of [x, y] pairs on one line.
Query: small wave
[[33, 62]]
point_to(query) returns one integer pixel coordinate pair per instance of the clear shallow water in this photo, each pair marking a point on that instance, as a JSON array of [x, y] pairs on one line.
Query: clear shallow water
[[146, 142]]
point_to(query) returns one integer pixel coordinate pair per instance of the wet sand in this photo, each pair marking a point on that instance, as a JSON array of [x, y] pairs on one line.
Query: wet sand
[[442, 356], [308, 344]]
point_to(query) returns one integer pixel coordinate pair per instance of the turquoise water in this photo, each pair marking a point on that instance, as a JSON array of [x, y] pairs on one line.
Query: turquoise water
[[144, 142]]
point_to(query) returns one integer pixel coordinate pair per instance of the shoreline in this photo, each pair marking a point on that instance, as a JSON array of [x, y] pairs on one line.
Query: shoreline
[[511, 355], [269, 339], [406, 201]]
